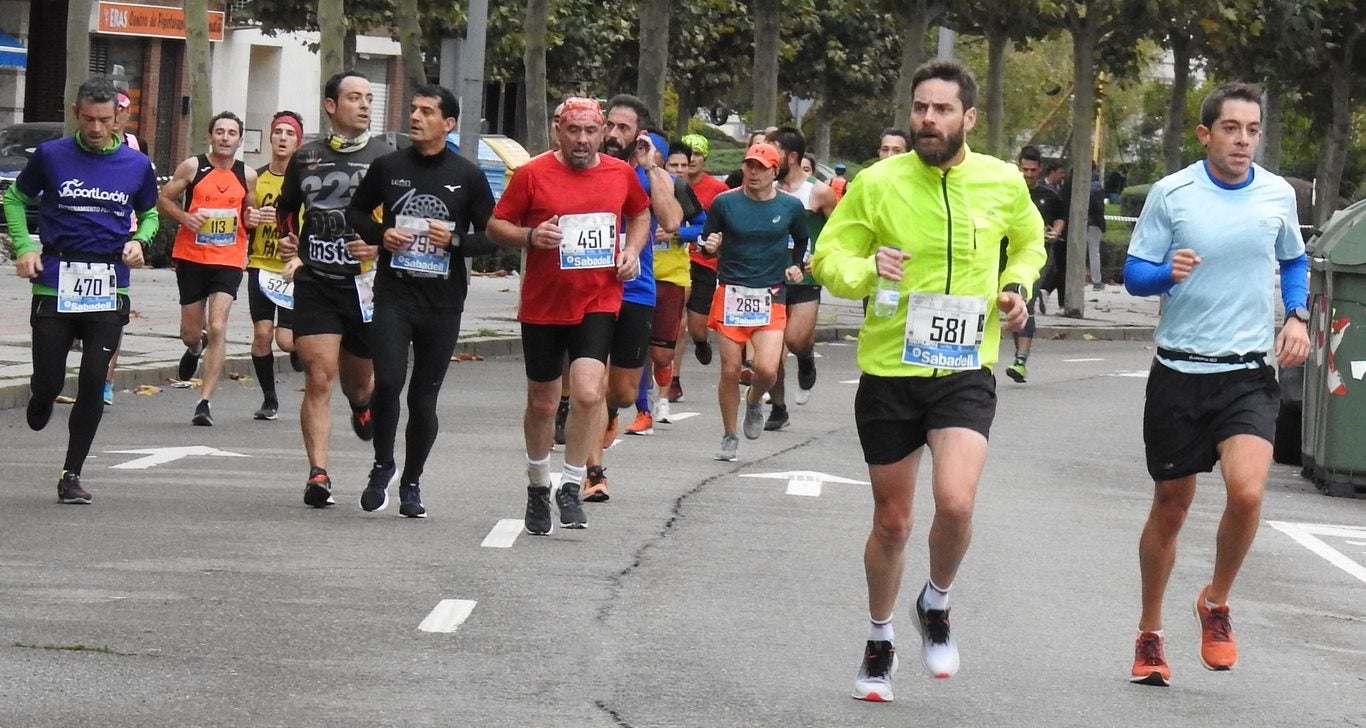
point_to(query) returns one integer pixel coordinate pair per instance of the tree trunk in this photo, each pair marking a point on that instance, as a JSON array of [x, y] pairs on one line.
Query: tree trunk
[[1083, 124], [767, 25], [825, 119], [201, 74], [912, 55], [410, 45], [654, 56], [533, 61], [997, 42], [1333, 151], [77, 54], [687, 106], [331, 38], [1272, 129], [1175, 128]]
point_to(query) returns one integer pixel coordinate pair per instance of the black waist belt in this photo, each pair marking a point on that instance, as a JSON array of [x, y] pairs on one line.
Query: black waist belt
[[1258, 357], [76, 256]]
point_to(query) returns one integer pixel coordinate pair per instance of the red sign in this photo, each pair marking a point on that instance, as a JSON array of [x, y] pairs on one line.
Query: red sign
[[152, 21]]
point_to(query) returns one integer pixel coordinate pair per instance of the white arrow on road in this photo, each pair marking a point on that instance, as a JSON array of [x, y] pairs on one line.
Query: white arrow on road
[[162, 455], [1358, 369], [805, 482]]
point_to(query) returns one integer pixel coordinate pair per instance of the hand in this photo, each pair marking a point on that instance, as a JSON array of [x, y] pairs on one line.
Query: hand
[[794, 273], [132, 254], [194, 221], [361, 250], [645, 151], [396, 240], [29, 265], [1050, 234], [891, 262], [711, 245], [547, 235], [255, 217], [664, 237], [1292, 344], [1012, 306], [289, 246], [439, 233], [292, 266], [1183, 262], [628, 265]]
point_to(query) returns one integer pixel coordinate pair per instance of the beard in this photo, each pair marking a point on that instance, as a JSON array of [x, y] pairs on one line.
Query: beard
[[949, 145], [612, 148], [579, 162]]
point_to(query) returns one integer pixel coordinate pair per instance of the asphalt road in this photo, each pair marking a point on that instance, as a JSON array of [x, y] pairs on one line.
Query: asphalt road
[[206, 593]]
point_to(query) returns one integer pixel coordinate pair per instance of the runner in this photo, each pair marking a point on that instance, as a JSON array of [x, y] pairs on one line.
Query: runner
[[892, 143], [804, 298], [748, 229], [131, 140], [89, 186], [1208, 239], [566, 208], [928, 342], [210, 249], [701, 268], [333, 272], [1053, 210], [431, 197], [269, 296]]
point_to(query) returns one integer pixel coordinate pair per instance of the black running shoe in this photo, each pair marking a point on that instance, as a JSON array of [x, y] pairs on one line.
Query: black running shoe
[[318, 491], [202, 416], [571, 510], [189, 361], [874, 680], [777, 419], [270, 410], [363, 424], [806, 371], [410, 501], [561, 416], [70, 492], [39, 412], [702, 350], [537, 519], [376, 494]]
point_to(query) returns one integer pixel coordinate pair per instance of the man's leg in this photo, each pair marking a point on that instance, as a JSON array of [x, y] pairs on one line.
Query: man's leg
[[320, 354], [51, 342], [1244, 461], [1157, 545], [193, 319], [100, 335], [219, 306], [958, 457], [728, 387], [884, 553]]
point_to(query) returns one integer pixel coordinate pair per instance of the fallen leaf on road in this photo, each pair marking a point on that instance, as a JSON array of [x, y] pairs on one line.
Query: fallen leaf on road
[[177, 384], [1088, 337], [505, 290], [850, 337], [147, 390], [462, 356], [63, 399], [238, 376]]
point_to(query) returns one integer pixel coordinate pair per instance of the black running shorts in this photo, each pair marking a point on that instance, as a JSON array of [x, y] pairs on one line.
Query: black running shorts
[[894, 415], [798, 294], [326, 306], [197, 281], [1186, 416], [544, 345], [631, 336], [261, 307], [703, 286]]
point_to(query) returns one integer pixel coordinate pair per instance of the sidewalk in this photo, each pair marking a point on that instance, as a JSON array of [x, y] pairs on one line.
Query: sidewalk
[[152, 348]]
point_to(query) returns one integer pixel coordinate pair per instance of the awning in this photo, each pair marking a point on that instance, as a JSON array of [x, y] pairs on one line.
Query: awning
[[13, 54]]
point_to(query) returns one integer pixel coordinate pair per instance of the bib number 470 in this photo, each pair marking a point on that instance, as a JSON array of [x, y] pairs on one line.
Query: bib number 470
[[88, 287]]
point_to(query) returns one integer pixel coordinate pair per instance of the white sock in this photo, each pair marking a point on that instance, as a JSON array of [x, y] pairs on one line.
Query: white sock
[[1157, 632], [538, 471], [573, 474], [935, 598], [881, 631]]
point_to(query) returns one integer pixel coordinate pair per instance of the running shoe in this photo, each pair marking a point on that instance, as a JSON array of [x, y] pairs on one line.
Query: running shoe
[[567, 503], [70, 492], [375, 497], [609, 435], [777, 419], [202, 416], [730, 445], [39, 412], [1150, 661], [874, 680], [675, 390], [108, 393], [595, 490], [662, 413], [937, 649], [1017, 371], [561, 416], [747, 373], [189, 361], [318, 490], [410, 501], [754, 416], [1097, 286], [537, 519], [806, 372], [270, 410], [1218, 650], [363, 424], [644, 424], [702, 350]]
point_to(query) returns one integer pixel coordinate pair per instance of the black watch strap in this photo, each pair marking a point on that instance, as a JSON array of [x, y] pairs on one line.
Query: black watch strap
[[1015, 288]]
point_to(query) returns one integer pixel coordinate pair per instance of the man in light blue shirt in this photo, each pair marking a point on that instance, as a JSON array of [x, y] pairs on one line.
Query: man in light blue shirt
[[1209, 240]]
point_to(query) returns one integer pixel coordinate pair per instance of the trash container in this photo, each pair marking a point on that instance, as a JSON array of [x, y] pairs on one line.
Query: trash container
[[1333, 430]]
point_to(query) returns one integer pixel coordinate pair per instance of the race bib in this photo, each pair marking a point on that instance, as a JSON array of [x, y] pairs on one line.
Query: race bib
[[420, 256], [365, 293], [944, 331], [747, 306], [277, 289], [219, 229], [662, 245], [590, 241], [85, 287]]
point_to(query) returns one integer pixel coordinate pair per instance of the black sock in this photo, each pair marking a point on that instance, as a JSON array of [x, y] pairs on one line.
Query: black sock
[[359, 408], [779, 408], [265, 374], [314, 470]]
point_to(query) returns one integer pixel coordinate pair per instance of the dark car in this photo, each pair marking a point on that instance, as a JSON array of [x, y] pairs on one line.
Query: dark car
[[17, 143]]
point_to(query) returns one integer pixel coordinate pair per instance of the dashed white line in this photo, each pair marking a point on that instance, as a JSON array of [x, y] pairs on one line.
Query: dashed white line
[[1076, 361], [503, 534], [680, 416], [447, 616]]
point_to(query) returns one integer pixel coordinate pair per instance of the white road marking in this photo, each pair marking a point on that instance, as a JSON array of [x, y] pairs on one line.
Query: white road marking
[[679, 416], [1136, 375], [834, 343], [503, 534], [849, 381], [162, 455], [814, 355], [1358, 369], [1076, 361], [447, 616], [1307, 534], [804, 482], [1357, 543]]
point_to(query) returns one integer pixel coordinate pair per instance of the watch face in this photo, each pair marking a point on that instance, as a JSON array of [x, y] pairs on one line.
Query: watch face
[[1300, 313]]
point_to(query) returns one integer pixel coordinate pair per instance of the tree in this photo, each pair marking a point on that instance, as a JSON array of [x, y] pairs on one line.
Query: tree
[[917, 17], [1001, 24], [533, 60], [709, 35], [767, 27], [78, 55], [331, 38], [410, 45], [201, 74], [654, 55]]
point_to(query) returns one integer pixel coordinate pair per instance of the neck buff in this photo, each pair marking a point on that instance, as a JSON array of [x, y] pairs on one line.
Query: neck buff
[[339, 143]]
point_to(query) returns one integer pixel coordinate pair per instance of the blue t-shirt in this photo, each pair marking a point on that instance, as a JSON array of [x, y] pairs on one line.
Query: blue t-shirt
[[88, 201], [754, 237], [641, 289], [1226, 306]]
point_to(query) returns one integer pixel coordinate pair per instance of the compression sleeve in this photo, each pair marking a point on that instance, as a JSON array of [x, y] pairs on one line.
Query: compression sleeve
[[690, 232], [149, 222], [14, 203], [1145, 278], [1294, 282]]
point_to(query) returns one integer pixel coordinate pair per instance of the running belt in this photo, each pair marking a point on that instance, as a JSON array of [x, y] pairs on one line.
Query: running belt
[[1253, 356]]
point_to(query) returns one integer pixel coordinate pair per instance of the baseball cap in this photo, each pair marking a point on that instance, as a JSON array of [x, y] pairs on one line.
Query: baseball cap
[[840, 167], [697, 143], [764, 154]]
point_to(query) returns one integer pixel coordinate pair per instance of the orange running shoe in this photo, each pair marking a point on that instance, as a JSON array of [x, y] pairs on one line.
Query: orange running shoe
[[1150, 661], [644, 424], [610, 435], [595, 487], [1218, 650]]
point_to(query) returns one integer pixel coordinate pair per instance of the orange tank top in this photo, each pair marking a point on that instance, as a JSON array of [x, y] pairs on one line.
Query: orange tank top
[[217, 195]]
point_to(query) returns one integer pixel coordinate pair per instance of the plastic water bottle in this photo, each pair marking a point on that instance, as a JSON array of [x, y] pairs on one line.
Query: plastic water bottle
[[887, 299]]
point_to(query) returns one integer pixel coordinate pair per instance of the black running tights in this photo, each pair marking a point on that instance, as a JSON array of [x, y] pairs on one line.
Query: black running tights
[[432, 335]]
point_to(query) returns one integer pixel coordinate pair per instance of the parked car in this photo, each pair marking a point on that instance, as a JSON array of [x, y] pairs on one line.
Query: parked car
[[17, 144]]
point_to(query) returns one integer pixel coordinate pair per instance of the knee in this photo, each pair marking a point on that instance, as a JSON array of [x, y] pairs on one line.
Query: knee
[[542, 408], [892, 531], [954, 510], [217, 330], [1169, 509], [592, 395], [319, 381], [1245, 501]]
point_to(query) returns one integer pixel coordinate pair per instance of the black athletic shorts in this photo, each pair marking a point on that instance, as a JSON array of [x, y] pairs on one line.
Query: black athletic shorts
[[1186, 416], [324, 305], [262, 308], [802, 294], [197, 281], [703, 287], [894, 415], [631, 336], [545, 345]]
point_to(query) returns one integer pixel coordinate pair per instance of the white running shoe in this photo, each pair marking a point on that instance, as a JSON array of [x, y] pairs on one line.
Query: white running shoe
[[874, 680], [662, 410], [937, 649]]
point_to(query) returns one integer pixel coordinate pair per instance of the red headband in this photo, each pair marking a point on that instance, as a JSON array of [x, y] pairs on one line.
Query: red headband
[[290, 121], [577, 108]]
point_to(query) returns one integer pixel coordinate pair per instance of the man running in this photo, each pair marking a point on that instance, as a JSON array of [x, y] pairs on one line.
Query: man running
[[1053, 209], [334, 274], [702, 268], [1208, 239], [89, 186], [269, 296], [210, 249], [927, 345], [431, 197], [566, 208], [748, 229]]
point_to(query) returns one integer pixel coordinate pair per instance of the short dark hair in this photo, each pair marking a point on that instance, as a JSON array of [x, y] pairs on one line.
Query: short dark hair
[[1213, 105], [332, 88], [947, 69], [643, 118], [1031, 153], [1051, 166], [225, 115], [893, 131], [450, 107], [98, 90], [790, 139], [291, 114], [679, 148]]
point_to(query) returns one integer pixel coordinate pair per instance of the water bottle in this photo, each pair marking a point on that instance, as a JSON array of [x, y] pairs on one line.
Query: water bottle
[[887, 298]]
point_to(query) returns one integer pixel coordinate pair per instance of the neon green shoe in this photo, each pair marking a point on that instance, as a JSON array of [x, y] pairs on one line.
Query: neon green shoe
[[1017, 371]]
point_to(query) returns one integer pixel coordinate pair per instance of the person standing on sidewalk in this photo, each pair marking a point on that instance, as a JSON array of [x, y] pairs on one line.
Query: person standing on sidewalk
[[89, 186], [430, 197], [210, 250], [1208, 239], [921, 232]]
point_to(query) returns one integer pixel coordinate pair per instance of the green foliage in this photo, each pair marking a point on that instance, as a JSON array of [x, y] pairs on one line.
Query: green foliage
[[1132, 198]]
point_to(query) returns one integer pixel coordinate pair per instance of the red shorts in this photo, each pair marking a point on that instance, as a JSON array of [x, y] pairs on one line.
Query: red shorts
[[777, 319]]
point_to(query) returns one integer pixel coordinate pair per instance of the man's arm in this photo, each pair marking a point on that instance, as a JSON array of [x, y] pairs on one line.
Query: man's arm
[[168, 201], [823, 197], [662, 200], [251, 216], [369, 194], [846, 260]]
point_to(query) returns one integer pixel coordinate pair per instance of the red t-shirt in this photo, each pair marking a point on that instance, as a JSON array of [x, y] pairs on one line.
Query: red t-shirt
[[706, 191], [546, 187]]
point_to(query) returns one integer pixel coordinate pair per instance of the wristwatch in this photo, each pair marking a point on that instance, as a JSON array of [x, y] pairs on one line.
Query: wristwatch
[[1015, 288], [1300, 312]]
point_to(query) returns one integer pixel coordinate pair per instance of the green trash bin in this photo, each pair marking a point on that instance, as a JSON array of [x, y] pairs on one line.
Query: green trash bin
[[1333, 429]]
